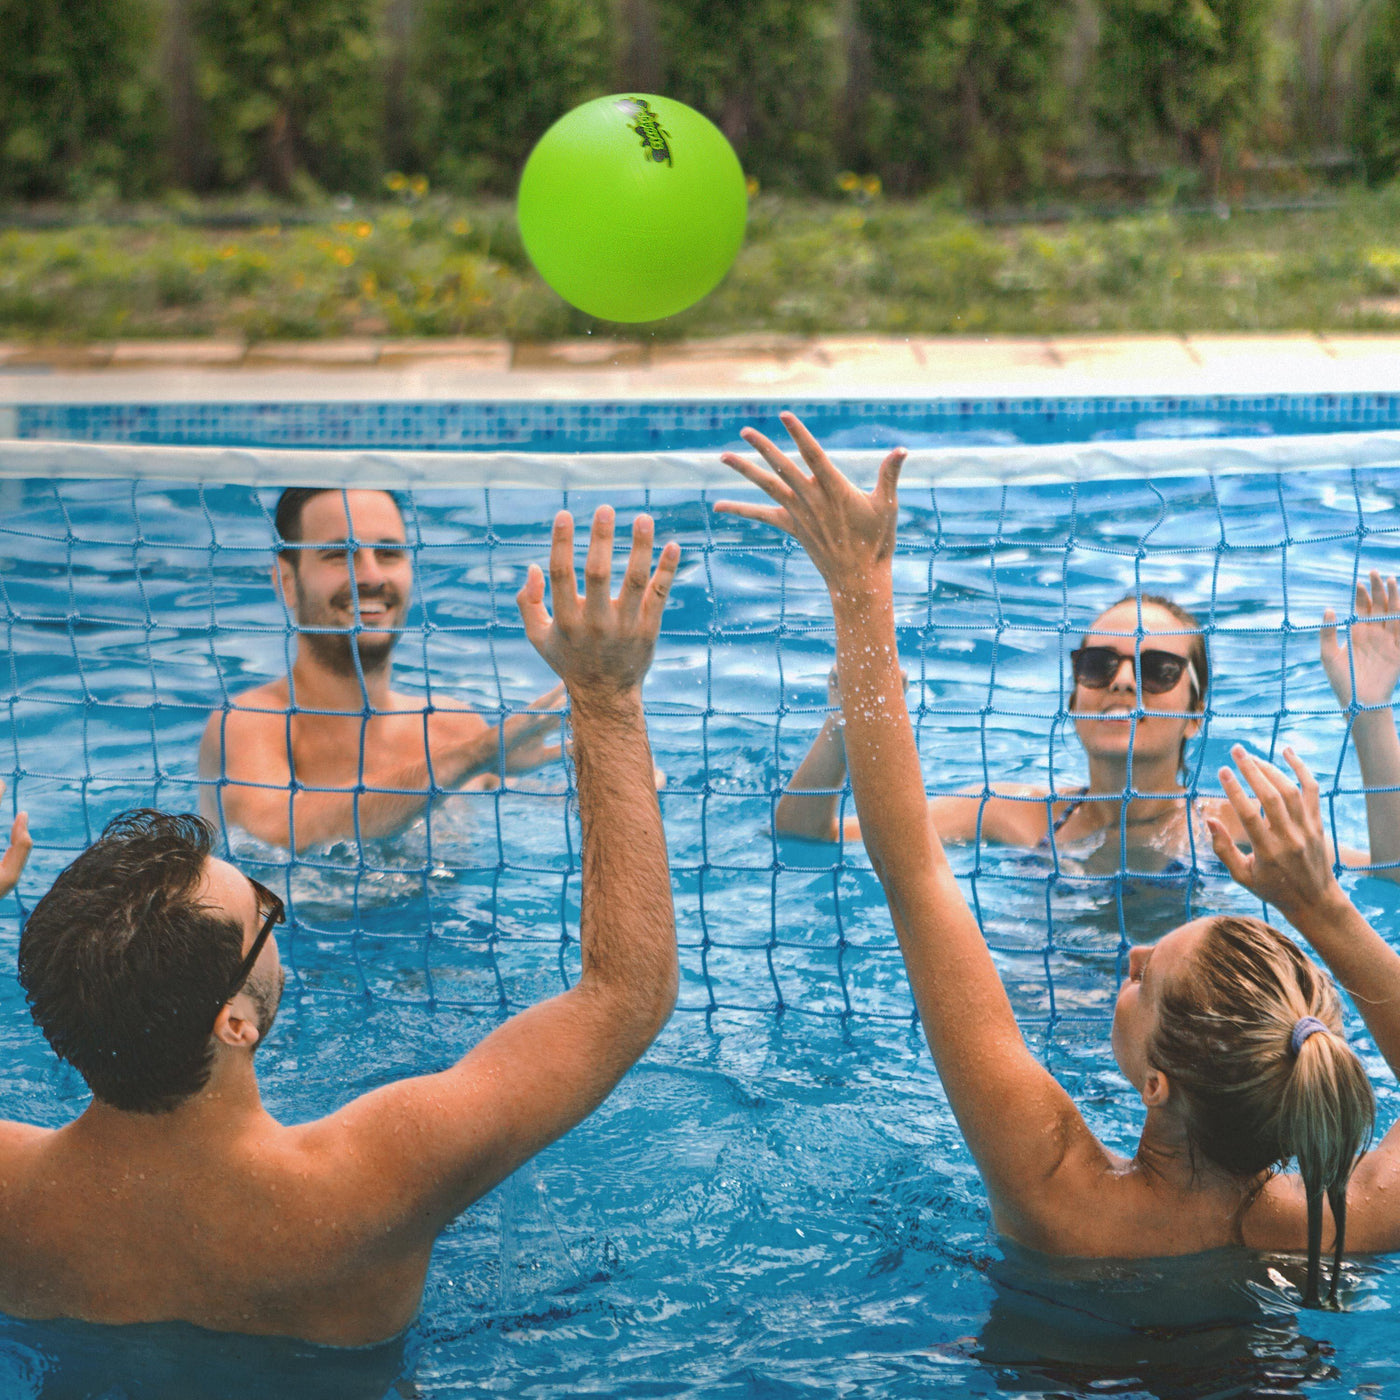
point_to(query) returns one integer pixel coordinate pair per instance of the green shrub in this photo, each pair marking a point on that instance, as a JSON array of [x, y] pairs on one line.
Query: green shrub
[[765, 72], [1185, 76], [79, 110], [291, 91], [490, 78], [956, 91], [1376, 123]]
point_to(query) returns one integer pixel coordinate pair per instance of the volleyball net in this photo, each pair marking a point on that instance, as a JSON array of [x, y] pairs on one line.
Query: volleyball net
[[138, 600]]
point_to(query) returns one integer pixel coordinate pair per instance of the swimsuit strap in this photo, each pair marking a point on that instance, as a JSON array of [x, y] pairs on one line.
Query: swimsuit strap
[[1076, 802]]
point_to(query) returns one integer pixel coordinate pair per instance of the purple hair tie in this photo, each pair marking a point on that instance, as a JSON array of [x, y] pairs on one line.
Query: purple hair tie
[[1303, 1027]]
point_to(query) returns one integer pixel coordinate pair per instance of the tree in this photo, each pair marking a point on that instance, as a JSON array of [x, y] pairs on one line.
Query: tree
[[292, 90], [492, 78], [1189, 73], [79, 109]]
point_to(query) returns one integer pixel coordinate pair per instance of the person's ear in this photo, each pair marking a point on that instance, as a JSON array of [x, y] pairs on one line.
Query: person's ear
[[1156, 1089], [239, 1032]]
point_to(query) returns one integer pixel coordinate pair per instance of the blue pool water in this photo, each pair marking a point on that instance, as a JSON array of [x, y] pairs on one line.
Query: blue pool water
[[776, 1202]]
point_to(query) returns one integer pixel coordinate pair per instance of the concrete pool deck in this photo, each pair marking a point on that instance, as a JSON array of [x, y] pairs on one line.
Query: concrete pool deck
[[759, 365]]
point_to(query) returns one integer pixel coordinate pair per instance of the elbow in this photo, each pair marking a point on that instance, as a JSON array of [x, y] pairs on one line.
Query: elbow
[[638, 1005], [792, 817], [661, 1005]]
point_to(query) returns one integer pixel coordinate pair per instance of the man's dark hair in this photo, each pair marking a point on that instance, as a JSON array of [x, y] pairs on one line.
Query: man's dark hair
[[125, 972], [290, 505]]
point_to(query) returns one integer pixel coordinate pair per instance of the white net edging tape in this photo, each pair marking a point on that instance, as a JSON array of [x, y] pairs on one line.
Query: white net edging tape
[[385, 469]]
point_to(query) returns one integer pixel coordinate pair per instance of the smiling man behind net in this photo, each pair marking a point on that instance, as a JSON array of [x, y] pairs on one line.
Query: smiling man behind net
[[331, 750]]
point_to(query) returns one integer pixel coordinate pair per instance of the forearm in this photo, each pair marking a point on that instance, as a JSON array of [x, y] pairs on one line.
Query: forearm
[[1362, 962], [813, 814], [879, 742], [1378, 753], [627, 925], [991, 1077]]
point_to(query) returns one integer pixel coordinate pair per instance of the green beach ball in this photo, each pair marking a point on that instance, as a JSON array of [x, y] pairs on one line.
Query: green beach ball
[[632, 207]]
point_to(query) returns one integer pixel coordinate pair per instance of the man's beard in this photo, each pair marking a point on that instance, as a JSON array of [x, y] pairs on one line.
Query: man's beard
[[348, 653], [266, 994]]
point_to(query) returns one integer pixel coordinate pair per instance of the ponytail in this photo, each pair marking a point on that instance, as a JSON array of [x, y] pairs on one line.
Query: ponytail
[[1325, 1119], [1250, 1037]]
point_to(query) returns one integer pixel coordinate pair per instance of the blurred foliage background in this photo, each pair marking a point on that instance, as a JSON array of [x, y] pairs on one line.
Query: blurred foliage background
[[983, 101], [301, 168]]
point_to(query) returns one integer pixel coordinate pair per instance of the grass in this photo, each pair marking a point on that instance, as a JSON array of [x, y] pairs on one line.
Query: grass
[[442, 267]]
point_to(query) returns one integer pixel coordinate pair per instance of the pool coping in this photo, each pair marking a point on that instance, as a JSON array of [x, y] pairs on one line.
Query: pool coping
[[760, 365]]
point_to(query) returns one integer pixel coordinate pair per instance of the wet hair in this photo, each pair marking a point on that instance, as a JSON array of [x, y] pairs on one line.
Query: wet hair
[[125, 971], [1254, 1098], [290, 506], [1195, 652]]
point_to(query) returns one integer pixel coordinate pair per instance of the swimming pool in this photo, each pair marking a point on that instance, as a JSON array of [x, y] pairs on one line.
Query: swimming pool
[[777, 1201]]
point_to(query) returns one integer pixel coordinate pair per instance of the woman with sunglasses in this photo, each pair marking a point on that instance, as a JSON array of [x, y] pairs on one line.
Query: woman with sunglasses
[[1143, 753]]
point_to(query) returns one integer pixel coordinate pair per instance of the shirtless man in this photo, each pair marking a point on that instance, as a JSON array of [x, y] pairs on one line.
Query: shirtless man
[[151, 968], [332, 751]]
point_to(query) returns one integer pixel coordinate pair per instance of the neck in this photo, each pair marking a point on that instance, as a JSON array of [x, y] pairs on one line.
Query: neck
[[315, 686], [1164, 1153], [227, 1103], [1109, 776]]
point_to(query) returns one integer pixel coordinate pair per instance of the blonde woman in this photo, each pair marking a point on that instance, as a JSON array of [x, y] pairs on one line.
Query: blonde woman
[[1228, 1033]]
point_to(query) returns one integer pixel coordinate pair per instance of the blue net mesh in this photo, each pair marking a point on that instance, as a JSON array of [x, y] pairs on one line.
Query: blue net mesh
[[133, 610]]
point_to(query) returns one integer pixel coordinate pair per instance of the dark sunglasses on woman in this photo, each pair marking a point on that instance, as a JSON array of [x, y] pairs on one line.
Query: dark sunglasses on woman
[[1096, 667]]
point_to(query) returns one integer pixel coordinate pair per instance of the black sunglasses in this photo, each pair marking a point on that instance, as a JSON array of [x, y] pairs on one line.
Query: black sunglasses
[[276, 913], [1096, 667]]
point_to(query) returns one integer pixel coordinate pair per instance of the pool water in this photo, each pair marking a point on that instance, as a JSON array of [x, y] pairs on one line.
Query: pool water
[[777, 1201]]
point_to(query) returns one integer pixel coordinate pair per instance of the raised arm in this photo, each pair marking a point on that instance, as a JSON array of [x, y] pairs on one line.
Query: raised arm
[[435, 1144], [1372, 656], [1021, 1126], [1290, 866], [250, 749], [12, 862]]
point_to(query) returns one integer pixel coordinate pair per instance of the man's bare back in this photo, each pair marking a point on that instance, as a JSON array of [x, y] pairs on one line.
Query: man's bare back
[[175, 1195]]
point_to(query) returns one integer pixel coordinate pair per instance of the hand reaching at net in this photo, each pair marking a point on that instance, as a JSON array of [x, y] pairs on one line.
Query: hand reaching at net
[[527, 734], [597, 643], [21, 843], [1289, 864], [849, 534], [1372, 652]]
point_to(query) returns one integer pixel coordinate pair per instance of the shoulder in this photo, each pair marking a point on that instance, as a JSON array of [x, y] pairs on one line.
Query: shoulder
[[248, 734], [449, 715], [263, 704], [1277, 1217], [1015, 813], [20, 1145]]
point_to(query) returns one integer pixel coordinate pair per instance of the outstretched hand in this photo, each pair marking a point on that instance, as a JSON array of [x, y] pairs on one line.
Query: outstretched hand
[[1290, 864], [596, 643], [17, 853], [848, 533], [1373, 645], [527, 735]]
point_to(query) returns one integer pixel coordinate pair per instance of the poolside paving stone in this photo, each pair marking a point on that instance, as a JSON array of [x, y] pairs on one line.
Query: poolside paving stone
[[761, 364]]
